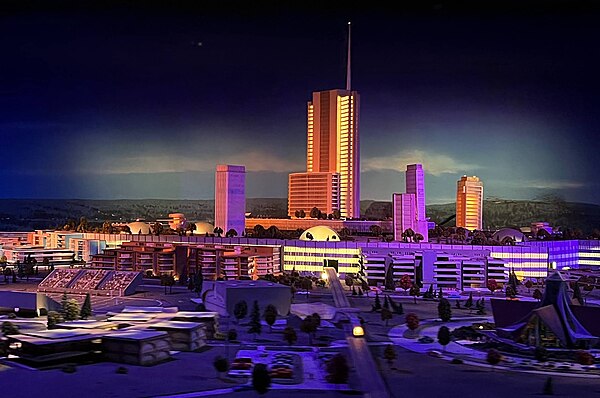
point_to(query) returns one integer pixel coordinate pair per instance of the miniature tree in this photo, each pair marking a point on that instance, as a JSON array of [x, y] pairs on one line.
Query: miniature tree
[[261, 380], [389, 354], [349, 280], [337, 370], [63, 303], [444, 336], [577, 294], [492, 285], [255, 325], [537, 294], [469, 302], [54, 318], [221, 365], [429, 293], [444, 310], [493, 357], [86, 308], [354, 291], [71, 310], [440, 293], [308, 326], [270, 316], [386, 315], [289, 335], [389, 278], [481, 306], [528, 285], [412, 321], [377, 302], [9, 328], [405, 283], [386, 302], [458, 307], [240, 310], [415, 291], [510, 292], [397, 308]]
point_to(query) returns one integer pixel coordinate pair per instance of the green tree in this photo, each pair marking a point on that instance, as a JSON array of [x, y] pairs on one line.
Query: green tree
[[405, 282], [386, 315], [492, 285], [86, 308], [349, 280], [386, 302], [270, 316], [309, 327], [315, 213], [232, 335], [377, 302], [337, 370], [389, 354], [63, 303], [221, 365], [528, 285], [412, 321], [415, 291], [190, 227], [469, 302], [537, 294], [54, 318], [218, 231], [444, 310], [510, 292], [231, 233], [255, 325], [9, 328], [289, 335], [444, 336], [71, 310], [389, 282], [261, 380]]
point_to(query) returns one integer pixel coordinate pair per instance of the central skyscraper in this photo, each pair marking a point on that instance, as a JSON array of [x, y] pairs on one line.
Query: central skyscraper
[[332, 147]]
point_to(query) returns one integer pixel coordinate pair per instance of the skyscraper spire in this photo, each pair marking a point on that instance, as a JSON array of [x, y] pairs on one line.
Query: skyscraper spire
[[348, 67]]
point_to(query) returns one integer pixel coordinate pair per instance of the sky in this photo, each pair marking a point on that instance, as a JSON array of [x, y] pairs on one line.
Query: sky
[[118, 100]]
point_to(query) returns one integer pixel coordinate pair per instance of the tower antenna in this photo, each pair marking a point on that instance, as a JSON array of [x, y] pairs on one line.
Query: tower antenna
[[348, 66]]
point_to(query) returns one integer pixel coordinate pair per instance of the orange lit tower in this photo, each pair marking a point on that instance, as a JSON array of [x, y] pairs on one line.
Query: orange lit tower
[[469, 203], [333, 145]]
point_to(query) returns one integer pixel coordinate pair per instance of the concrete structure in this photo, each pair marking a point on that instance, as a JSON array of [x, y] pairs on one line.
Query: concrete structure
[[355, 226], [222, 296], [93, 281], [308, 190], [181, 258], [230, 198], [137, 347], [415, 184], [469, 203], [28, 303], [185, 336], [405, 213]]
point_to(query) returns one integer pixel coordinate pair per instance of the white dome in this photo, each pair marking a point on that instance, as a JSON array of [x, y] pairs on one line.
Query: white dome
[[135, 227], [320, 233], [202, 228], [503, 233]]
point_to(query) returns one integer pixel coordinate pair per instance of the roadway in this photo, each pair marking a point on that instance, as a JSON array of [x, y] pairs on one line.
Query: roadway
[[339, 295], [371, 382]]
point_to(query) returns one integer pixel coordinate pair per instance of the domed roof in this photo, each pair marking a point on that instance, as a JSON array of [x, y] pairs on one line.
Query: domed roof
[[320, 233], [515, 234], [135, 227], [203, 227]]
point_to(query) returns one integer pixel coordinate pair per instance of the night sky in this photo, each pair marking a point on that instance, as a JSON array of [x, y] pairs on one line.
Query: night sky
[[120, 100]]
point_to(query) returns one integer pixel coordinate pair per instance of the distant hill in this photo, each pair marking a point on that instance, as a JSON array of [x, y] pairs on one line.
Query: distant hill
[[28, 214], [498, 213]]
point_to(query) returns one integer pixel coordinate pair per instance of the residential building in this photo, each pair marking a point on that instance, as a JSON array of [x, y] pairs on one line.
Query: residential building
[[415, 184], [405, 213]]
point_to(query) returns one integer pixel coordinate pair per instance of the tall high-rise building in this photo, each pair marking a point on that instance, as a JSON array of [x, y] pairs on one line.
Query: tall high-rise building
[[469, 203], [405, 213], [230, 198], [415, 184], [333, 143]]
